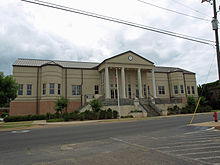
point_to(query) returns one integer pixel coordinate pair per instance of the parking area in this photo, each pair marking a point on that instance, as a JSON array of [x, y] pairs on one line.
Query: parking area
[[202, 145]]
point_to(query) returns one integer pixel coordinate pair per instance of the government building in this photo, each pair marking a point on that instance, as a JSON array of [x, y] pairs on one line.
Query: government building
[[141, 85]]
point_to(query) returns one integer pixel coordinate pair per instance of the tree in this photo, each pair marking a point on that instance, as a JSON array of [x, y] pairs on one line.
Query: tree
[[60, 104], [96, 105], [8, 89]]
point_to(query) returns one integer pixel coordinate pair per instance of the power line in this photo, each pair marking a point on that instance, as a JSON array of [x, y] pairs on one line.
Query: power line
[[178, 35], [186, 6], [187, 15]]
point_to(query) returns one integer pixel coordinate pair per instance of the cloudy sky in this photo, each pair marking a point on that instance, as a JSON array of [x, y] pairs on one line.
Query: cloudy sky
[[33, 31]]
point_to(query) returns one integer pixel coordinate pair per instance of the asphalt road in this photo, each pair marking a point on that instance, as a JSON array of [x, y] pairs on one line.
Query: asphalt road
[[160, 141]]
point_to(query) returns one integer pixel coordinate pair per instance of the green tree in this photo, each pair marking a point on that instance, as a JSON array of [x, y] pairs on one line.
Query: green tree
[[8, 89], [60, 104], [96, 105]]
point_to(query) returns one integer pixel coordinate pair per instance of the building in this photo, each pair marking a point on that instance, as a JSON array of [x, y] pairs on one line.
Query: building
[[41, 82]]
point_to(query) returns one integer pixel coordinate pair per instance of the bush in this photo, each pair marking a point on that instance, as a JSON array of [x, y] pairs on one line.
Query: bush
[[128, 116], [4, 114], [115, 114], [24, 118], [102, 114], [174, 110], [136, 111], [96, 105], [109, 114]]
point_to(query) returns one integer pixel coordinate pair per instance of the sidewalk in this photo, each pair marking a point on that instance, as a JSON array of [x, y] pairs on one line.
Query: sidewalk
[[209, 124]]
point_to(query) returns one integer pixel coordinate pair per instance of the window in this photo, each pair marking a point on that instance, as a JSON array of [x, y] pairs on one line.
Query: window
[[44, 89], [193, 90], [29, 89], [137, 91], [188, 89], [96, 89], [112, 94], [181, 89], [20, 89], [161, 90], [51, 88], [76, 90], [58, 89], [175, 89], [129, 91], [145, 91], [148, 90]]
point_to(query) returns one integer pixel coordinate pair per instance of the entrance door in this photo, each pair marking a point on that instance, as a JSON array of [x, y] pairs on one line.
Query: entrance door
[[114, 94]]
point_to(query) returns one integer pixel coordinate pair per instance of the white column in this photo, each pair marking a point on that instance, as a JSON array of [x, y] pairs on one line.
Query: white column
[[140, 84], [123, 82], [154, 84], [107, 90]]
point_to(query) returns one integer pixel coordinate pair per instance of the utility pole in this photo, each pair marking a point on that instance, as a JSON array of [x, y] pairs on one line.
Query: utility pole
[[215, 28]]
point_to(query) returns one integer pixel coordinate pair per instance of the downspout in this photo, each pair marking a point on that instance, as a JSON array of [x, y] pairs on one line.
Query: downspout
[[37, 92], [81, 87], [66, 86], [168, 78], [184, 79]]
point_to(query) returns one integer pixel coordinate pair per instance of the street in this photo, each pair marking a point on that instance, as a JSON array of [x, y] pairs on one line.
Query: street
[[161, 141]]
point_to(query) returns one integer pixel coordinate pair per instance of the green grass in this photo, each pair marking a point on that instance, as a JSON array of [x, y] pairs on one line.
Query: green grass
[[15, 124], [56, 120]]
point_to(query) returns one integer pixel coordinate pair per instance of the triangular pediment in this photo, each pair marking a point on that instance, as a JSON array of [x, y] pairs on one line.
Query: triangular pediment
[[128, 57]]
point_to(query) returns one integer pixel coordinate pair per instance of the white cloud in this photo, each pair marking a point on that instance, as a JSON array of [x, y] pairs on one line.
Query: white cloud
[[33, 31]]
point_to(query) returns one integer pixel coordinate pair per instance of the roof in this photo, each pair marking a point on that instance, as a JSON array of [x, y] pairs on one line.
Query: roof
[[87, 65], [129, 51], [162, 69], [65, 64]]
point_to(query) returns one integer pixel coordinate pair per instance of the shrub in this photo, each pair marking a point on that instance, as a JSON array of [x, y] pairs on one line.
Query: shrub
[[136, 111], [96, 105], [4, 114], [128, 116], [174, 110], [74, 115], [115, 114], [102, 114], [109, 114], [24, 118]]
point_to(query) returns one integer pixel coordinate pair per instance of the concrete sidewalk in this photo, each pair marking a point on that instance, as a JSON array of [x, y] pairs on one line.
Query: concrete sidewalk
[[209, 124]]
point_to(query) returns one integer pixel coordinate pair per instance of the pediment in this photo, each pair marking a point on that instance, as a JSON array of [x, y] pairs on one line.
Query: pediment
[[128, 57]]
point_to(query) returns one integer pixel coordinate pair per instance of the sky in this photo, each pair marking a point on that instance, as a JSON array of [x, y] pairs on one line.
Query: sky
[[38, 32]]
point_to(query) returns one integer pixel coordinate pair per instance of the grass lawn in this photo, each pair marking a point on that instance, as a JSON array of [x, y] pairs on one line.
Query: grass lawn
[[15, 124]]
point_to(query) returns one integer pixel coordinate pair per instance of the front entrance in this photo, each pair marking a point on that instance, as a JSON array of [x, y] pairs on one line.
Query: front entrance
[[114, 93]]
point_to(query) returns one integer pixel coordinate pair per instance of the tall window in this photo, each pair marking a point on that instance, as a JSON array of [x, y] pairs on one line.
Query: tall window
[[51, 88], [145, 91], [181, 89], [161, 90], [96, 89], [148, 90], [188, 89], [76, 89], [44, 89], [137, 91], [59, 89], [193, 90], [20, 89], [29, 89], [175, 89], [129, 91]]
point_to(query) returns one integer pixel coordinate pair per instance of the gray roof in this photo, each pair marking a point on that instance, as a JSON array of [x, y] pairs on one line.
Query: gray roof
[[65, 64], [82, 65], [170, 69]]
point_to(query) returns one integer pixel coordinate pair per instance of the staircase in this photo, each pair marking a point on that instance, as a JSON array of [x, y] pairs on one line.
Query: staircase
[[151, 108]]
